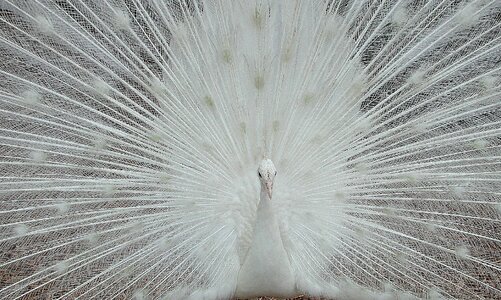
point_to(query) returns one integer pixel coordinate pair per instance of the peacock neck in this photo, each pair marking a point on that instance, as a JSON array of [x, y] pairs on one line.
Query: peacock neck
[[266, 269], [265, 212]]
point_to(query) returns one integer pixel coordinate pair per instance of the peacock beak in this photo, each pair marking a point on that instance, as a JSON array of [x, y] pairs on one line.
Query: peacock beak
[[269, 188]]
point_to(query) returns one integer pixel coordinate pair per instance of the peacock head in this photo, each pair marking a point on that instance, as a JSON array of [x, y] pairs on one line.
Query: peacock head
[[267, 173]]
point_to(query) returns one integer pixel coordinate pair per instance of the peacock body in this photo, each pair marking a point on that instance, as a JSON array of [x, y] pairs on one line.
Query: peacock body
[[131, 132]]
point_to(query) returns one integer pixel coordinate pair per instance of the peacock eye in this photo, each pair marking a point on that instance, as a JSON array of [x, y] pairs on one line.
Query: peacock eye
[[259, 174], [275, 173]]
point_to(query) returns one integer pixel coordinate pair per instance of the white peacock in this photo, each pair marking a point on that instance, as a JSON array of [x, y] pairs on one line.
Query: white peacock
[[131, 130]]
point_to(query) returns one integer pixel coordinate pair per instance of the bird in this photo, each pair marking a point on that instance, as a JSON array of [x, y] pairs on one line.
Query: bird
[[266, 268], [131, 132]]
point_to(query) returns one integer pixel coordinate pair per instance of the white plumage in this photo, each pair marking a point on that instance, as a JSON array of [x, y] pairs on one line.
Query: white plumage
[[130, 134], [266, 268]]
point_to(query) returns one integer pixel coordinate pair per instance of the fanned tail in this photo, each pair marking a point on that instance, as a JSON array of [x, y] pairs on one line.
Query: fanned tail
[[131, 130]]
